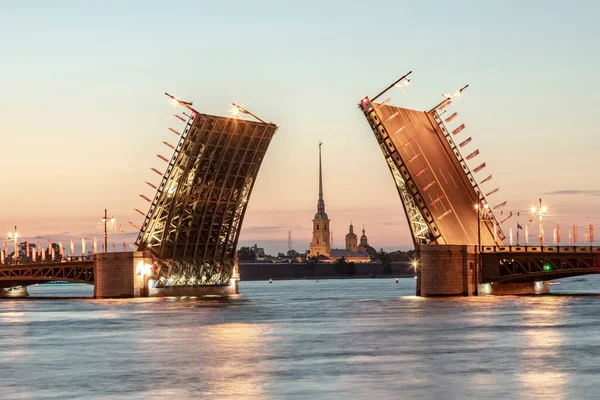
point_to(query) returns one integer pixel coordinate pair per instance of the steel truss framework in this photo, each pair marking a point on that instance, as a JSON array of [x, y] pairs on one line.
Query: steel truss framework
[[530, 264], [80, 271], [194, 221], [422, 225]]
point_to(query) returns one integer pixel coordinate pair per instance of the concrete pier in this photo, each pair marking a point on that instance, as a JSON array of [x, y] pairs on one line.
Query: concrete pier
[[123, 275], [115, 275], [447, 270], [452, 270]]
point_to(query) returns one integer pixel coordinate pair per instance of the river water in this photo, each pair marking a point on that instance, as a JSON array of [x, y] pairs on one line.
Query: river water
[[331, 339]]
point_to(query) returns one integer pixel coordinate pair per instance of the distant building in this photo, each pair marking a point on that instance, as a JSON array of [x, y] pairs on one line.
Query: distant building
[[353, 252], [320, 246], [259, 252]]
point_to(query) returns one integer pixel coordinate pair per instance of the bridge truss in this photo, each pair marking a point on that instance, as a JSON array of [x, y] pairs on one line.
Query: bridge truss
[[515, 264], [194, 221], [77, 272]]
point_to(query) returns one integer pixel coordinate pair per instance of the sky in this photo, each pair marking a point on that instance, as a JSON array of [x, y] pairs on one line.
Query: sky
[[83, 114]]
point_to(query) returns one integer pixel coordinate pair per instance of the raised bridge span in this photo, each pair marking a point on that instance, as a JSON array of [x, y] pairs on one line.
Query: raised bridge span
[[187, 242], [454, 228]]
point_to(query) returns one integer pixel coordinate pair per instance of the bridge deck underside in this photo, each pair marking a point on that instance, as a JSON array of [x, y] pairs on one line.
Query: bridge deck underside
[[522, 267], [437, 173], [76, 272]]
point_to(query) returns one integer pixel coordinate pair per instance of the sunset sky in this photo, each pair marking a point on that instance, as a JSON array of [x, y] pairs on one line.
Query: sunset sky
[[83, 115]]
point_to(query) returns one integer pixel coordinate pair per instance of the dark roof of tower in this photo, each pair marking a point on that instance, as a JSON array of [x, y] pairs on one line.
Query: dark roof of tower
[[322, 216]]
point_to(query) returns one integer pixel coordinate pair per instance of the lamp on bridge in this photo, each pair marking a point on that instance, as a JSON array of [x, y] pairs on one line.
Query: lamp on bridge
[[15, 236], [107, 221], [478, 208], [539, 213], [236, 110]]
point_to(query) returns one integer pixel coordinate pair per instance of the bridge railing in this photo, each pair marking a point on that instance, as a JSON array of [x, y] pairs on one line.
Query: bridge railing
[[26, 261], [540, 249]]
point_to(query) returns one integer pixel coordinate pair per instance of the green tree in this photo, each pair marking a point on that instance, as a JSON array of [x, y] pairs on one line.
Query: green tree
[[246, 254], [340, 266], [311, 264], [344, 268], [350, 269], [292, 253], [385, 259]]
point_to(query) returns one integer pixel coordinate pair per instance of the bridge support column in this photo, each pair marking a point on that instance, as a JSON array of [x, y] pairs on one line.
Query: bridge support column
[[120, 275], [117, 275], [447, 270]]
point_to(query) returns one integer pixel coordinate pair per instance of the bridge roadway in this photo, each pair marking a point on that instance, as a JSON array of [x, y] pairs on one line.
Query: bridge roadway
[[520, 264], [78, 271], [435, 169]]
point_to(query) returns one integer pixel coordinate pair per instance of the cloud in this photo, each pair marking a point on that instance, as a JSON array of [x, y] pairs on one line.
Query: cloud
[[575, 192], [260, 229], [394, 223]]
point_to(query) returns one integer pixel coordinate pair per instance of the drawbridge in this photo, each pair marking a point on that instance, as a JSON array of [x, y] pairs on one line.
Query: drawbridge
[[445, 205], [436, 186], [194, 220]]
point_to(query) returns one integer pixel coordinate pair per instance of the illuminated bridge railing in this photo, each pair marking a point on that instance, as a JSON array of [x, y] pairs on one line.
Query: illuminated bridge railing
[[540, 249], [76, 272], [39, 261], [514, 264]]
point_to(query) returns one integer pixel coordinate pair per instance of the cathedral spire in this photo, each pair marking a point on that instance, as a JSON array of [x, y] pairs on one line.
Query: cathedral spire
[[321, 202]]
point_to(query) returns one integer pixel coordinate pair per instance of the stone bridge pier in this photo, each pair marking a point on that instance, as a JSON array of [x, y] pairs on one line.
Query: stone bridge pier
[[127, 274], [121, 274], [453, 270]]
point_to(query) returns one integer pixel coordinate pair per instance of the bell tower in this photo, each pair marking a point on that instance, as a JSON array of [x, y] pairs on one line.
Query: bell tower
[[320, 244]]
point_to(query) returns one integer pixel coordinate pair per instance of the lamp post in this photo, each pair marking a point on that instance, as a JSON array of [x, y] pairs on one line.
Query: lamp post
[[539, 212], [237, 110], [106, 221], [478, 210], [15, 236], [479, 259]]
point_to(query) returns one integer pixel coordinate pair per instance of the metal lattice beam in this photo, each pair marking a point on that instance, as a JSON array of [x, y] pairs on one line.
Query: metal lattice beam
[[79, 272], [194, 222], [533, 263]]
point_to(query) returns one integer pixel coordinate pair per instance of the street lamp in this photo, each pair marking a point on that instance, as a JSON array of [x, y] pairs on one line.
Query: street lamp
[[456, 94], [402, 82], [539, 212], [478, 210], [106, 221], [15, 236], [448, 99], [236, 110]]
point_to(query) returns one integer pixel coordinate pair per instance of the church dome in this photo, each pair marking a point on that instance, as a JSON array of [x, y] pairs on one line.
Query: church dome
[[351, 234]]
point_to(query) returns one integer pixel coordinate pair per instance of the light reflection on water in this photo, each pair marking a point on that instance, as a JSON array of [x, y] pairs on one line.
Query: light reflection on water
[[302, 339]]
